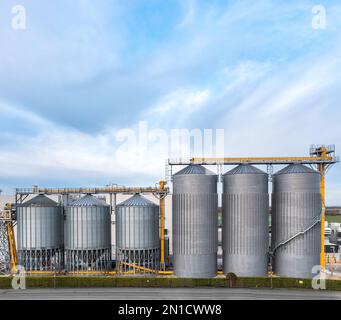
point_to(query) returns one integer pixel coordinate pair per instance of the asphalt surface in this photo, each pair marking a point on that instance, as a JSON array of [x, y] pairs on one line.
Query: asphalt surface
[[167, 293]]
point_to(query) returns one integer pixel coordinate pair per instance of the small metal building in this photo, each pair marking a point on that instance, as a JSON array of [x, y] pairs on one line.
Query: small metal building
[[245, 221], [88, 235], [195, 231], [296, 221], [40, 234], [137, 235]]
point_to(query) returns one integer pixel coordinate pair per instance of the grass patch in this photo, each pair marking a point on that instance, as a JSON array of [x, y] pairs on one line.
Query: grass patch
[[165, 282], [331, 219]]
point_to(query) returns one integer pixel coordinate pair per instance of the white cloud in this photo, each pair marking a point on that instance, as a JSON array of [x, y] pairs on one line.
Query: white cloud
[[21, 113], [233, 66], [189, 7], [181, 100]]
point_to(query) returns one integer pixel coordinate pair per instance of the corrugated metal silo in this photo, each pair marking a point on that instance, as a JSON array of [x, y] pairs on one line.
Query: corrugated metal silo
[[296, 226], [195, 231], [88, 235], [245, 221], [137, 234], [39, 234]]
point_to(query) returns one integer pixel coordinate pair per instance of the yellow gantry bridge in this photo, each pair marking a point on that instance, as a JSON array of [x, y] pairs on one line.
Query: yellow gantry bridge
[[321, 156], [103, 190]]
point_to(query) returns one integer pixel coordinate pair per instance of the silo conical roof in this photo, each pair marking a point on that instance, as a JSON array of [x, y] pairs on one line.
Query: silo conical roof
[[194, 169], [137, 200], [40, 201], [296, 168], [244, 169], [88, 201]]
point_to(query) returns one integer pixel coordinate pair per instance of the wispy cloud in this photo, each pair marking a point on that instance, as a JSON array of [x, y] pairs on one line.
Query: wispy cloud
[[189, 7], [75, 77]]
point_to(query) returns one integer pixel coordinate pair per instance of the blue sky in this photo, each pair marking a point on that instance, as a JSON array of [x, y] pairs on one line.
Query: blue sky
[[84, 70]]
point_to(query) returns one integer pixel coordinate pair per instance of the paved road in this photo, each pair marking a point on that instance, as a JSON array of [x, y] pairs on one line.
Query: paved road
[[162, 293]]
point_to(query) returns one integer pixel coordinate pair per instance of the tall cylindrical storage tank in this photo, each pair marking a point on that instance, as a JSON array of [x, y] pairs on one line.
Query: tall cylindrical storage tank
[[88, 235], [195, 231], [296, 226], [137, 235], [245, 221], [39, 234]]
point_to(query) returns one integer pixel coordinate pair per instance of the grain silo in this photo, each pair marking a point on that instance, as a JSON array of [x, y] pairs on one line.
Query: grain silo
[[137, 235], [195, 231], [87, 235], [245, 221], [296, 226], [40, 234]]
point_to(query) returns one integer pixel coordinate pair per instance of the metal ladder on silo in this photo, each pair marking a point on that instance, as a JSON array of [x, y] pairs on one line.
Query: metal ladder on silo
[[316, 221]]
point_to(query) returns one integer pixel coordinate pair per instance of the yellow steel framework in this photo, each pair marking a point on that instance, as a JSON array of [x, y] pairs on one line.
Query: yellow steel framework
[[162, 225], [144, 269], [104, 190], [12, 247], [6, 216], [261, 160], [321, 156]]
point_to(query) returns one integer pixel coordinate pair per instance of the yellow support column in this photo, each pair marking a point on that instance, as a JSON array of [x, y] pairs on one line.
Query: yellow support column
[[323, 195], [162, 225], [12, 247], [322, 168]]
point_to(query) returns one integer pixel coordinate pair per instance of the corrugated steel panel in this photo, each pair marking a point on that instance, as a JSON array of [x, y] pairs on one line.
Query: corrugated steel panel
[[87, 227], [137, 233], [40, 235], [39, 227], [195, 231], [245, 221], [296, 202], [137, 226]]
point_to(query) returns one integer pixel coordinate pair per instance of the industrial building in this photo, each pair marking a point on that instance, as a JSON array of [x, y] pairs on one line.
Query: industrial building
[[69, 231]]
